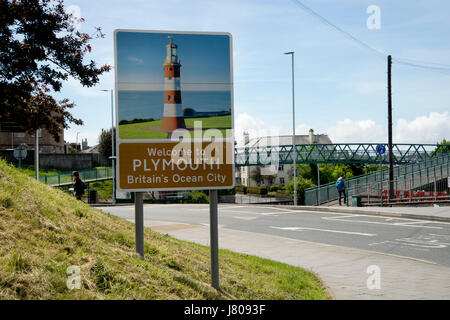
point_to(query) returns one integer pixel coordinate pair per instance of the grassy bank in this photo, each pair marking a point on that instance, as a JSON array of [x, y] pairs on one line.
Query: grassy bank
[[44, 231], [138, 131]]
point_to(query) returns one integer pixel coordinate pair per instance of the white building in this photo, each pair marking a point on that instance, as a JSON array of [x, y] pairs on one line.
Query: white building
[[274, 173]]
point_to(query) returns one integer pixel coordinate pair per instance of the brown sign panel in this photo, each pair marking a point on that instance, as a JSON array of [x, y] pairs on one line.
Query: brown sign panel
[[176, 165]]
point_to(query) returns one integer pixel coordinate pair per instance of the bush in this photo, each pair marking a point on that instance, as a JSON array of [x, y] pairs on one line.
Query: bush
[[195, 196], [302, 184], [276, 187], [282, 194], [257, 190], [241, 188]]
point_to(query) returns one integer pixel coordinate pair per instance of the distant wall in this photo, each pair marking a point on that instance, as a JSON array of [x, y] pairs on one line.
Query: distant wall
[[75, 161]]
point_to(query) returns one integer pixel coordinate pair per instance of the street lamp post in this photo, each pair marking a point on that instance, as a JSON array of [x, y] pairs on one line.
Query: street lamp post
[[294, 151], [112, 146]]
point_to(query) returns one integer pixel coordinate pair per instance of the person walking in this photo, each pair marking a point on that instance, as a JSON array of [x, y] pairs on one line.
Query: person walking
[[340, 186], [78, 185]]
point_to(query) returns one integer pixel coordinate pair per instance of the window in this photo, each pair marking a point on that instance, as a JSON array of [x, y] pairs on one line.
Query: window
[[169, 98], [281, 168], [282, 181]]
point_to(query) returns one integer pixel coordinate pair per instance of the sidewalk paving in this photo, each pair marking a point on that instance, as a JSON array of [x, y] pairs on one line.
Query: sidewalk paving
[[343, 270]]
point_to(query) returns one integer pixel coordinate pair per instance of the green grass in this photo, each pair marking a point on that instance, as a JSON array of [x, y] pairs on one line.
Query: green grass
[[43, 231], [135, 130], [29, 170]]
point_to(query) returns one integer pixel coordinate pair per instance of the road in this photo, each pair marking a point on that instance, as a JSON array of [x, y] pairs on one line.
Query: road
[[414, 239]]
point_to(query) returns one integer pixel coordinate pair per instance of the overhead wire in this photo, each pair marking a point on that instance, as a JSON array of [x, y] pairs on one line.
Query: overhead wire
[[432, 66]]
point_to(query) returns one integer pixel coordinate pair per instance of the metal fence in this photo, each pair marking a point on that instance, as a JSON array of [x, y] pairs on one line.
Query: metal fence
[[66, 178], [422, 171]]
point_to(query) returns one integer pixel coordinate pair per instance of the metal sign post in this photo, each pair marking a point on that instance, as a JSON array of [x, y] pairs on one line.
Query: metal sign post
[[36, 154], [381, 149], [214, 238], [139, 222]]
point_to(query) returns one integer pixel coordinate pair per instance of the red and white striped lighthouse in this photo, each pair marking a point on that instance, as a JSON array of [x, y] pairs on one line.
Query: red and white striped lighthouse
[[173, 117]]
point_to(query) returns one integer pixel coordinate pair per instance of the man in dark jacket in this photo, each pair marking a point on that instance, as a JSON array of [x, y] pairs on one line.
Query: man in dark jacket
[[78, 185], [340, 186]]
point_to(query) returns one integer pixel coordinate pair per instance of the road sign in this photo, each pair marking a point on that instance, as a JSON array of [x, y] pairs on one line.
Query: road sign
[[174, 114], [174, 110], [381, 149], [20, 153]]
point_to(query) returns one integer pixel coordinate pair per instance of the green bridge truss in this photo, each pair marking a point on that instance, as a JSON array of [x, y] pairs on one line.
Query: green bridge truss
[[343, 153]]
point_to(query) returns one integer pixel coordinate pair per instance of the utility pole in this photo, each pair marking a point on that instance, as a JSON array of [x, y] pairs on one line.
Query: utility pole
[[391, 156]]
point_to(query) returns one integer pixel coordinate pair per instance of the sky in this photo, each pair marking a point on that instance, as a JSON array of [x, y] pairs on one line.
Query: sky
[[340, 86]]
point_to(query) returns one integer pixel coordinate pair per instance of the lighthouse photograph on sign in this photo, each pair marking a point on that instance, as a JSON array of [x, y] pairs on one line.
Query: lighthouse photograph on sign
[[173, 82]]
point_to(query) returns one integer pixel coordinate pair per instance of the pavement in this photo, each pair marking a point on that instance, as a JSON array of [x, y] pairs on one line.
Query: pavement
[[348, 273]]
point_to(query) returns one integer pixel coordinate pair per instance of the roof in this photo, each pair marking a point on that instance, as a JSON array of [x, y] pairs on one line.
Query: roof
[[286, 140]]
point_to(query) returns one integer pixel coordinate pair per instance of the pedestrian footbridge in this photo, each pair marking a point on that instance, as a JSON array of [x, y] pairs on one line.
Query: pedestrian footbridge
[[343, 153]]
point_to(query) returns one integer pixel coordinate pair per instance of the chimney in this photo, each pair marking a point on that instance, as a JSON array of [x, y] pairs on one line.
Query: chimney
[[311, 136], [246, 138]]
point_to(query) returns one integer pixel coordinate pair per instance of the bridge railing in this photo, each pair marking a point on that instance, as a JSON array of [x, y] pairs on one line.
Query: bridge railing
[[429, 182], [328, 192], [65, 178]]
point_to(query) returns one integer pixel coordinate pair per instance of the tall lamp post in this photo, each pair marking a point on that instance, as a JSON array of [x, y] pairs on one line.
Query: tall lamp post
[[113, 139], [294, 151]]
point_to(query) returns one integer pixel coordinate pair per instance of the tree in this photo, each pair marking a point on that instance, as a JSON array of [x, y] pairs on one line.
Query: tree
[[104, 143], [302, 184], [39, 50], [443, 146]]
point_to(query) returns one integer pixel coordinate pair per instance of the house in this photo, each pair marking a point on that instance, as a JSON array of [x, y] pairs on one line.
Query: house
[[12, 136], [272, 174]]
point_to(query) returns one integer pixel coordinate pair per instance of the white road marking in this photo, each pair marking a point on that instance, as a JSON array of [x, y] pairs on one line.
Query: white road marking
[[324, 230], [421, 241], [398, 224], [341, 217], [252, 212], [245, 218]]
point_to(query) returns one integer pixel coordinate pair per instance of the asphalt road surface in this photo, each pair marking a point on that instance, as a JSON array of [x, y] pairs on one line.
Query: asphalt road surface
[[419, 239]]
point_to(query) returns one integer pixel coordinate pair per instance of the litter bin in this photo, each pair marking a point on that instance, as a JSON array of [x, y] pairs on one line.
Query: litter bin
[[93, 196], [356, 201]]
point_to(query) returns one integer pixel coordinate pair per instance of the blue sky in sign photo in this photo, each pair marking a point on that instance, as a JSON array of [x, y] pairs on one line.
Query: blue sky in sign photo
[[340, 83], [205, 61]]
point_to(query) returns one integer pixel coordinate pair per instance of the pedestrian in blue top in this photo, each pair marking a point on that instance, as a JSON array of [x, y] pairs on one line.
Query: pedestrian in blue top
[[340, 186]]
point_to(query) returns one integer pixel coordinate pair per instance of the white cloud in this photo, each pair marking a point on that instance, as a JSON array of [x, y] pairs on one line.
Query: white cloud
[[303, 129], [136, 60], [256, 127], [430, 128], [348, 131], [425, 129]]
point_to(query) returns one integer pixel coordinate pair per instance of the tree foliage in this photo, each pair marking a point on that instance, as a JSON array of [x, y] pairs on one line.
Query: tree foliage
[[104, 143], [39, 50], [444, 146], [302, 184]]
